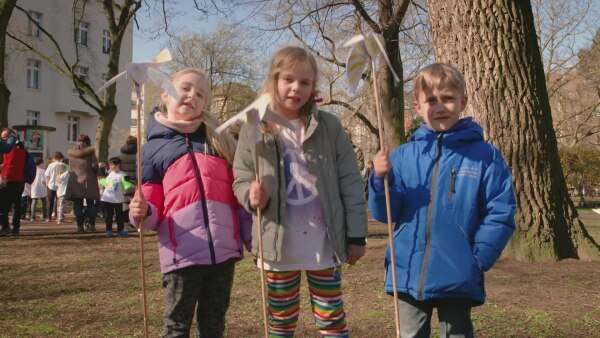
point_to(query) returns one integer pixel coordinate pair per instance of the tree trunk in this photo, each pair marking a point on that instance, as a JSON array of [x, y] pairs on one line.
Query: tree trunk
[[103, 133], [495, 46], [392, 103], [6, 9]]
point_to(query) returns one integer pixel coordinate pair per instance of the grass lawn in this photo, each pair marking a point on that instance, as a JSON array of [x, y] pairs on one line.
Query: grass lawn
[[63, 284]]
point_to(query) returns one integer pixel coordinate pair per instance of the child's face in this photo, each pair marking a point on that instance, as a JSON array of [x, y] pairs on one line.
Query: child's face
[[440, 107], [193, 90], [294, 89], [113, 167]]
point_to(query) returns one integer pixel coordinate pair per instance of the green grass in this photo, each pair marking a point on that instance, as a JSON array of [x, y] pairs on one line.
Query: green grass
[[591, 220], [88, 286]]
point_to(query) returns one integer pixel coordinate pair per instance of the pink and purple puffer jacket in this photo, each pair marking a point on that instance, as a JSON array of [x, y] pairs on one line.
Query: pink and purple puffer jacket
[[188, 188]]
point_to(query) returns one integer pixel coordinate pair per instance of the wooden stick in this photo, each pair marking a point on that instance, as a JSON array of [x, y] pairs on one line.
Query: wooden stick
[[386, 185], [260, 248], [139, 184]]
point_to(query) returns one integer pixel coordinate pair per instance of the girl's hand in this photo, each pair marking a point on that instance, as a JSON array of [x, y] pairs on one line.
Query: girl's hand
[[381, 163], [354, 253], [258, 195], [138, 208]]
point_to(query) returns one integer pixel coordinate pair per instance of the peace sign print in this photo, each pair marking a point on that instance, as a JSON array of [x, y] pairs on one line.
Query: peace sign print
[[300, 183]]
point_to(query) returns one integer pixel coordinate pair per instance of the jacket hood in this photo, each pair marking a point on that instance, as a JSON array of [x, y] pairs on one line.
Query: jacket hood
[[81, 150], [466, 130], [129, 149]]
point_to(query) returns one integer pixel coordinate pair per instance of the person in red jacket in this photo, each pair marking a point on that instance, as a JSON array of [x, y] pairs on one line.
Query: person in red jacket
[[12, 182]]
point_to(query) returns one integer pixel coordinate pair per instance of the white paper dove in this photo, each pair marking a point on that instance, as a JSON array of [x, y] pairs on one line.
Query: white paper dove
[[254, 113], [140, 72], [364, 49], [596, 210]]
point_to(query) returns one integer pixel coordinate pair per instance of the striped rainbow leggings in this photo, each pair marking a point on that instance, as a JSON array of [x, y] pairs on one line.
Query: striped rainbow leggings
[[325, 288]]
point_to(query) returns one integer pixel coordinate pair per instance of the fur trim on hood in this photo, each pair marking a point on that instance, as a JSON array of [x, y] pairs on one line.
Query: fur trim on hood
[[81, 150]]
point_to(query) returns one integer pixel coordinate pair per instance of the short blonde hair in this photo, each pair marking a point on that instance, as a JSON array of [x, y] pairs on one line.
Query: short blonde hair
[[284, 59], [438, 75]]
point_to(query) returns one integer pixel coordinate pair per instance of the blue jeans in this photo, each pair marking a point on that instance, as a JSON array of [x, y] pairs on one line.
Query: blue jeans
[[454, 315], [79, 212]]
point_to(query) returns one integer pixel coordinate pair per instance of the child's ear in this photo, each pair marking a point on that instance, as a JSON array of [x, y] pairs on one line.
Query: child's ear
[[464, 102], [417, 106], [164, 96]]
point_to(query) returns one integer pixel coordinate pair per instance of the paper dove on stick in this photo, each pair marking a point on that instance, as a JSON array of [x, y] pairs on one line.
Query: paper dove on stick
[[364, 49], [254, 113], [140, 72]]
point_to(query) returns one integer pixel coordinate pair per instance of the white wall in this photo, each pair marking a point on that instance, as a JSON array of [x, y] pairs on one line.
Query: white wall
[[55, 99]]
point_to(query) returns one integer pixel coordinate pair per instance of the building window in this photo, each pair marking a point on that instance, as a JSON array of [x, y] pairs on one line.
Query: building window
[[33, 73], [32, 28], [72, 128], [81, 33], [106, 42], [32, 118], [82, 73]]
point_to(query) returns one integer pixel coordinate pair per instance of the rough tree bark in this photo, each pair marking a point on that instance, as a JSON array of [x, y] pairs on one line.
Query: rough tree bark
[[494, 44], [6, 9]]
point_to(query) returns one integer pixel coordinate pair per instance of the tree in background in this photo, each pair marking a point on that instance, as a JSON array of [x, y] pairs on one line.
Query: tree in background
[[581, 166], [228, 58], [6, 10], [563, 26], [496, 47], [119, 15]]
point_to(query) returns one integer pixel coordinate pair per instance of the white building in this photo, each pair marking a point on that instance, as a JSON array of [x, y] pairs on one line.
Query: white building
[[44, 101]]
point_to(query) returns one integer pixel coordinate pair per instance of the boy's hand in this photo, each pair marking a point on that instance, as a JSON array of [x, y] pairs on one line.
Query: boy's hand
[[138, 208], [381, 163], [258, 195], [354, 253]]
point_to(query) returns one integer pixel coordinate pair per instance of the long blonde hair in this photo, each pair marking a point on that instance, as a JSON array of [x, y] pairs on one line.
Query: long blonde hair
[[284, 59], [223, 143]]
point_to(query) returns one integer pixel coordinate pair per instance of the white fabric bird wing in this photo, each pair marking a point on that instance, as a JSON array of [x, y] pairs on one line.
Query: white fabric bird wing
[[140, 72], [364, 48]]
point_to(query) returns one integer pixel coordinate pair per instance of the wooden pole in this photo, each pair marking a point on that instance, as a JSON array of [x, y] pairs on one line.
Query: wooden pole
[[260, 248], [140, 194], [386, 185]]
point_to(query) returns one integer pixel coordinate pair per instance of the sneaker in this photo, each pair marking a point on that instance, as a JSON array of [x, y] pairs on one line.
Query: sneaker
[[92, 228], [80, 230], [47, 220], [109, 234], [123, 233], [58, 221], [4, 232], [32, 220]]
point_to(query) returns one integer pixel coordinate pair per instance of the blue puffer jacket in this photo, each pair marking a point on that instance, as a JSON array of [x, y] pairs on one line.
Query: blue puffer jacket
[[453, 204]]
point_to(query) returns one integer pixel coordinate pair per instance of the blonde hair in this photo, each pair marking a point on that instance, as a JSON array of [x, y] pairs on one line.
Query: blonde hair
[[437, 75], [284, 59], [223, 143]]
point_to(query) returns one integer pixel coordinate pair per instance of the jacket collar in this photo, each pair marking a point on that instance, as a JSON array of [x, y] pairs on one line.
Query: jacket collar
[[465, 131]]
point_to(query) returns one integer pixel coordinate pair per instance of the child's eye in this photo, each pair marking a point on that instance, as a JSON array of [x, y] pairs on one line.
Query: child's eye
[[200, 95]]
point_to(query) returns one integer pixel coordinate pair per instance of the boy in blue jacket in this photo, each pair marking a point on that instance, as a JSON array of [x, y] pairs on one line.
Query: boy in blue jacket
[[453, 204]]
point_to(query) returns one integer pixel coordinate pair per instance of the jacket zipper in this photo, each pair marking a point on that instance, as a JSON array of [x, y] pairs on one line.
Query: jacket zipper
[[452, 178], [211, 245], [275, 138], [438, 155]]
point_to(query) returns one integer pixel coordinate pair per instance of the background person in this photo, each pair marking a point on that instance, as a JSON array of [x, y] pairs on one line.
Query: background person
[[83, 181]]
